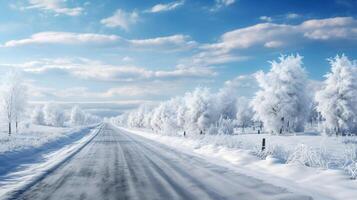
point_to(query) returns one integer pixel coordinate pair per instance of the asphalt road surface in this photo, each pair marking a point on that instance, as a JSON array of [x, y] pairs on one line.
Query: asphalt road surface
[[120, 165]]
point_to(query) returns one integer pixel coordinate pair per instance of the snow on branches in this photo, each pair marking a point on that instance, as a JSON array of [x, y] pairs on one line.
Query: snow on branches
[[14, 99], [282, 102], [54, 115], [337, 100]]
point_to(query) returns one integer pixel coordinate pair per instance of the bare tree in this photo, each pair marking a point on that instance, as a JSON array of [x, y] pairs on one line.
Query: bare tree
[[14, 98]]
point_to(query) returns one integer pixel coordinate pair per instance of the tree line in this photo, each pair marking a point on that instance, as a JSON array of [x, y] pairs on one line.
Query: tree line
[[284, 103], [15, 107]]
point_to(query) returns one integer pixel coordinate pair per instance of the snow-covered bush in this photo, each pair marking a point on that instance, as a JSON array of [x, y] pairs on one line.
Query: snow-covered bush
[[337, 101], [352, 170], [305, 155], [282, 102]]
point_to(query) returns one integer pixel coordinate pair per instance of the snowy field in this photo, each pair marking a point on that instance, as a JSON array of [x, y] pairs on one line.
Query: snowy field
[[31, 136], [32, 141], [35, 150], [322, 166]]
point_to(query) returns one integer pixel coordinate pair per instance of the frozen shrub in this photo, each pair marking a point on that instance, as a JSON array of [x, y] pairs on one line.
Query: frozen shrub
[[350, 160], [352, 169], [307, 156]]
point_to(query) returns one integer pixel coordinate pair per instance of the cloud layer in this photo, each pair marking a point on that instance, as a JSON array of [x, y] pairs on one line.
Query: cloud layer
[[98, 71], [172, 42]]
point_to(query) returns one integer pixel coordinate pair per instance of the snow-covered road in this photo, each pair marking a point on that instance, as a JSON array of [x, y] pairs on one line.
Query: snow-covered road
[[120, 165]]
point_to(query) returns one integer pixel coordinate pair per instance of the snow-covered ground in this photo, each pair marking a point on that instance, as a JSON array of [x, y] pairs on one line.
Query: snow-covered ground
[[31, 136], [118, 165], [26, 155], [315, 164]]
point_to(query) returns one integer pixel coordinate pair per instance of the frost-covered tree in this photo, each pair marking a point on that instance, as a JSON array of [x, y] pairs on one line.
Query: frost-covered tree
[[54, 115], [164, 117], [244, 114], [91, 119], [38, 116], [77, 116], [225, 103], [199, 110], [282, 102], [136, 118], [14, 99], [337, 100]]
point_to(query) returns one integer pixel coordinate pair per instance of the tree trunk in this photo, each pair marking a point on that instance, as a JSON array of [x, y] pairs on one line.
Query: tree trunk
[[9, 128], [17, 127]]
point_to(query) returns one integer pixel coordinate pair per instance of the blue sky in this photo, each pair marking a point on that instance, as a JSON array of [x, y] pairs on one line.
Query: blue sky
[[129, 52]]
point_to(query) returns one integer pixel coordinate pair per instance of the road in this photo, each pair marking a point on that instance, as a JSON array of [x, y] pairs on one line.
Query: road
[[120, 165]]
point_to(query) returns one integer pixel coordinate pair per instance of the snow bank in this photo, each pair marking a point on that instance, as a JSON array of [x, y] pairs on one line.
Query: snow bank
[[284, 163]]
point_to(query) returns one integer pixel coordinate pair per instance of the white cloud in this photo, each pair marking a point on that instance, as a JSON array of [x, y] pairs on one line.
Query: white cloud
[[166, 7], [121, 96], [222, 3], [121, 91], [133, 73], [292, 16], [173, 42], [273, 44], [225, 2], [243, 85], [331, 28], [127, 59], [251, 36], [133, 91], [56, 6], [284, 17], [63, 38], [210, 58], [277, 35], [231, 44], [266, 18], [121, 19]]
